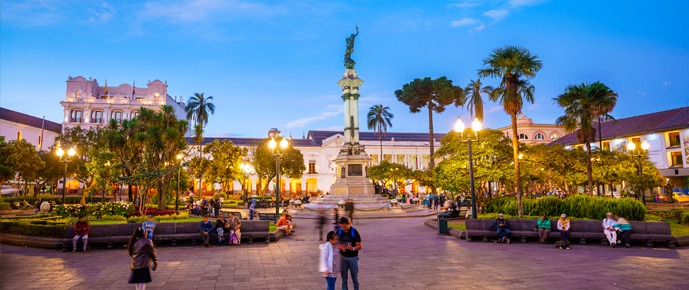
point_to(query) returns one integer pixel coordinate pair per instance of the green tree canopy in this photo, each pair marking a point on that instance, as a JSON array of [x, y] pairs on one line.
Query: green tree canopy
[[262, 160]]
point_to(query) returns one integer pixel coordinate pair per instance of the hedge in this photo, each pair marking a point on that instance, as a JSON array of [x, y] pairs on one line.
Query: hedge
[[684, 217], [577, 206], [4, 206], [31, 228]]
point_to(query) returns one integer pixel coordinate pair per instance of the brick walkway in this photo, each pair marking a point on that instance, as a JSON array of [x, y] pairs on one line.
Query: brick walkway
[[398, 254]]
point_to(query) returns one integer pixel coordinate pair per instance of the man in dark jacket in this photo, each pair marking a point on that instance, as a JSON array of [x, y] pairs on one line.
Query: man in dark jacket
[[349, 210], [503, 228], [205, 228], [81, 231]]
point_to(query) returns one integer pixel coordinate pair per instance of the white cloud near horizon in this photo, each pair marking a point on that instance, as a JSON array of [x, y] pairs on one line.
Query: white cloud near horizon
[[497, 14], [192, 11], [463, 22], [478, 28], [494, 109], [334, 110]]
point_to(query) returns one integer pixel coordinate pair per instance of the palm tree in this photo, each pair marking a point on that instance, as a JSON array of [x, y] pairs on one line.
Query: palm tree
[[474, 98], [197, 110], [583, 104], [433, 95], [379, 117], [514, 66], [606, 99]]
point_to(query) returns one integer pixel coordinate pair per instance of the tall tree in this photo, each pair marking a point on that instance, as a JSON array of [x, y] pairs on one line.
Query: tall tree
[[514, 66], [474, 98], [199, 108], [24, 159], [6, 168], [583, 104], [606, 99], [263, 162], [224, 163], [379, 117], [434, 95]]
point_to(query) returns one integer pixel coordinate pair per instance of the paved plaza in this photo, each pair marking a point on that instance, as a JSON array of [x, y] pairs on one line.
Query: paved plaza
[[398, 253]]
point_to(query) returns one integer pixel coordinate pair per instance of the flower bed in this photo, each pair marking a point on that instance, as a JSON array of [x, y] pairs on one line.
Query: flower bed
[[96, 210]]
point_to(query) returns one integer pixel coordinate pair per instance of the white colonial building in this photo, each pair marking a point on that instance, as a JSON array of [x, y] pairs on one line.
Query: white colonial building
[[320, 148], [37, 131], [87, 104]]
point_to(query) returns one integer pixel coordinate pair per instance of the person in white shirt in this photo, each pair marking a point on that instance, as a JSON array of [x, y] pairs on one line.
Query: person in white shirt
[[608, 228], [329, 259]]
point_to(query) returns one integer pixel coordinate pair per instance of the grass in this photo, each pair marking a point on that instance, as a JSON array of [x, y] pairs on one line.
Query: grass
[[460, 225], [272, 227], [678, 229]]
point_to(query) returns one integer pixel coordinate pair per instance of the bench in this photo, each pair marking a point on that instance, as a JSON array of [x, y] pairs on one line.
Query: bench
[[269, 217], [647, 232], [236, 213], [111, 235]]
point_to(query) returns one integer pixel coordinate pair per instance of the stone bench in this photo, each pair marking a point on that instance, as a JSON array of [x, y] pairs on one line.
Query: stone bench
[[119, 234], [647, 232], [269, 217]]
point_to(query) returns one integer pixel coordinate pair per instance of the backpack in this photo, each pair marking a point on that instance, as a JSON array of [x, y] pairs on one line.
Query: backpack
[[339, 231], [234, 240]]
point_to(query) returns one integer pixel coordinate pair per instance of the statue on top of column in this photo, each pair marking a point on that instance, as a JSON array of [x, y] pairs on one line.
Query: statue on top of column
[[349, 63]]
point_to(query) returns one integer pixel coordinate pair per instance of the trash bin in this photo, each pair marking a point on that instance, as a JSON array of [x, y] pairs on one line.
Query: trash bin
[[442, 224]]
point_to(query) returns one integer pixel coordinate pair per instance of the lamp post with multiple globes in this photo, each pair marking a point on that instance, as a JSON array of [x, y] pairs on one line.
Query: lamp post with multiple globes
[[277, 151], [631, 147], [246, 168], [65, 159], [476, 126], [179, 171]]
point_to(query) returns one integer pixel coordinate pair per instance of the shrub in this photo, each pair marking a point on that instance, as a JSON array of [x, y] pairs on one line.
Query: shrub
[[4, 206], [577, 206], [154, 212], [135, 219], [684, 217], [32, 228], [673, 214], [654, 218], [96, 210], [219, 195]]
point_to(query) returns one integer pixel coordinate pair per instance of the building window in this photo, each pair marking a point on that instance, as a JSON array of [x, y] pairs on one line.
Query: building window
[[539, 136], [676, 159], [19, 135], [523, 136], [135, 114], [606, 145], [554, 136], [98, 117], [117, 116], [673, 140], [312, 167], [76, 116]]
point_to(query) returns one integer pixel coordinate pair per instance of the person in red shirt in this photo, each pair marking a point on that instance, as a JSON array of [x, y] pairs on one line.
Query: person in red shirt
[[81, 231], [284, 224]]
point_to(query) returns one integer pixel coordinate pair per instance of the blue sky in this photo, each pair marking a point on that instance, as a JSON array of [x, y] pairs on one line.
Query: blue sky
[[276, 63]]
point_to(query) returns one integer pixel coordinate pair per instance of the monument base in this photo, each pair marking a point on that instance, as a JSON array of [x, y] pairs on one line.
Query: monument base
[[352, 187], [352, 175]]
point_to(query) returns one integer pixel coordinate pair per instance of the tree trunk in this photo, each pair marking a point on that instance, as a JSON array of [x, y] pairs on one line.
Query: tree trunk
[[517, 171], [130, 193], [161, 195], [431, 137], [380, 137], [589, 169]]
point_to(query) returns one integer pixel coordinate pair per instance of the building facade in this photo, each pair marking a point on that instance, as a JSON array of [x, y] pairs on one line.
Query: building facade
[[87, 104], [666, 132], [320, 148], [530, 133], [37, 131]]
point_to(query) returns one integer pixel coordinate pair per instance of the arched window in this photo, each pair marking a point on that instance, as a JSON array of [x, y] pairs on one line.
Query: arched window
[[554, 136], [97, 117], [117, 116], [523, 136], [76, 116], [135, 114], [539, 136]]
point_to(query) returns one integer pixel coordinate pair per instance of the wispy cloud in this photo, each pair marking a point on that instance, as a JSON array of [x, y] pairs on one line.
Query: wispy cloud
[[334, 110], [194, 11], [494, 109], [104, 13], [478, 28], [666, 84], [463, 22], [31, 13], [520, 3], [497, 14], [468, 3]]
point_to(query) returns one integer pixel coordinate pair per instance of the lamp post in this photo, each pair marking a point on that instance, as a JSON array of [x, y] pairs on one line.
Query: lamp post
[[246, 168], [102, 198], [179, 171], [459, 128], [278, 154], [65, 159], [631, 147]]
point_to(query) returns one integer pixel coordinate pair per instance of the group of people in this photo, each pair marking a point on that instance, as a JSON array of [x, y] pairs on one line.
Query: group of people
[[340, 253], [202, 206], [613, 227], [233, 225]]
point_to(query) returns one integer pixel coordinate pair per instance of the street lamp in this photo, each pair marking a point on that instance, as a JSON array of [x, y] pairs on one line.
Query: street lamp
[[179, 170], [631, 147], [65, 159], [246, 168], [102, 198], [278, 154], [459, 128]]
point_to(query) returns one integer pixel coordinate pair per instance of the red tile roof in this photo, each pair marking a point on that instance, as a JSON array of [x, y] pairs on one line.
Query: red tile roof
[[637, 125]]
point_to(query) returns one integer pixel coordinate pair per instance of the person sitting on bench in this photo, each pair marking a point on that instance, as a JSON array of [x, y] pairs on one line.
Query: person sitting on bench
[[503, 228], [81, 231]]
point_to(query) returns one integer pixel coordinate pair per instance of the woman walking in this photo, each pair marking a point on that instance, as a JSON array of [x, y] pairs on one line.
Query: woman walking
[[329, 260], [142, 252]]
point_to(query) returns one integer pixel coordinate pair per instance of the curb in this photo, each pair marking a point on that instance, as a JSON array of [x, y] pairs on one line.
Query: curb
[[30, 241], [453, 232]]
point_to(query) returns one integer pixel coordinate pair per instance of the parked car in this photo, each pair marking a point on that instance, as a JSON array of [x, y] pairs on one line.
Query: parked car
[[677, 197]]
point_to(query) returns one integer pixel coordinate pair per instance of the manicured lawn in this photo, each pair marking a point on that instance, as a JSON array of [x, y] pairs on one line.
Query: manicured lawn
[[186, 220], [460, 225], [678, 229], [107, 222], [272, 227]]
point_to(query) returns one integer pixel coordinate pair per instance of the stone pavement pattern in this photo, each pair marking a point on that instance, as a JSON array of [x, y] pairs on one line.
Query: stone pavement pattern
[[398, 254]]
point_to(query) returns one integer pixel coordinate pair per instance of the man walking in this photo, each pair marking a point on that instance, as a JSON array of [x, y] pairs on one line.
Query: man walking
[[350, 245], [349, 210]]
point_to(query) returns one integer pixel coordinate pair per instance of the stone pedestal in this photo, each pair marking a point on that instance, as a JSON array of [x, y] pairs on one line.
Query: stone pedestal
[[352, 178]]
